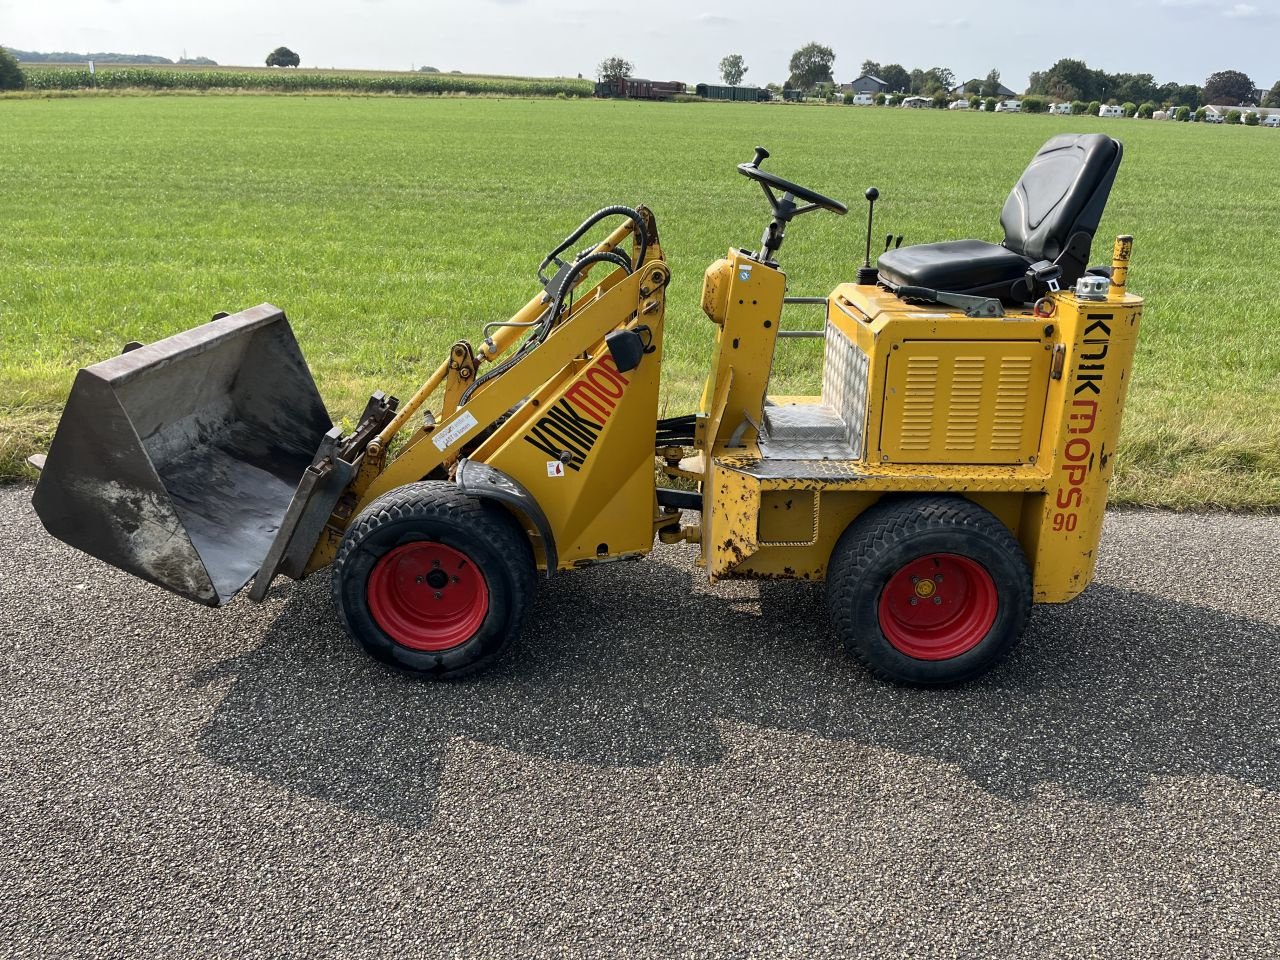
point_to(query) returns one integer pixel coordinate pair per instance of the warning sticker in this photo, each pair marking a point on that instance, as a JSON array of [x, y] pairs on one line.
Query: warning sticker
[[454, 432], [555, 468]]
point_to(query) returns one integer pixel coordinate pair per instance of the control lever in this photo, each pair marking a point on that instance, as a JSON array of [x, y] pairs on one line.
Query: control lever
[[972, 306], [867, 274]]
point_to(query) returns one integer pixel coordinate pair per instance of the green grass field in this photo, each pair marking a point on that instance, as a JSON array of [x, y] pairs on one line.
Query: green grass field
[[388, 227]]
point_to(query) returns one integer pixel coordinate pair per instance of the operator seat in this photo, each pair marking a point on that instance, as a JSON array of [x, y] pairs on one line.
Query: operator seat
[[1051, 214]]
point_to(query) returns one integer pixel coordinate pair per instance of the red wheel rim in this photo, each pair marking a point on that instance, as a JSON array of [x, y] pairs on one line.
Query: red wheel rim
[[427, 596], [938, 606]]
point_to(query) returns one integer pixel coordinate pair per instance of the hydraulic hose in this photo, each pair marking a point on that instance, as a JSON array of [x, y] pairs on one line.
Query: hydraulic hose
[[642, 235], [539, 333]]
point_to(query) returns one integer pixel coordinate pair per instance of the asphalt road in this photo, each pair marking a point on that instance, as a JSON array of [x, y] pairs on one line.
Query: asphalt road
[[658, 769]]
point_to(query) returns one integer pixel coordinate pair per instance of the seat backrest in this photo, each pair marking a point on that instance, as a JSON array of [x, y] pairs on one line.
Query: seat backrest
[[1060, 198]]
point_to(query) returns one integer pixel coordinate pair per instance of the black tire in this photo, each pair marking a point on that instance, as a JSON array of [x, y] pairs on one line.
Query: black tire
[[928, 633], [417, 522]]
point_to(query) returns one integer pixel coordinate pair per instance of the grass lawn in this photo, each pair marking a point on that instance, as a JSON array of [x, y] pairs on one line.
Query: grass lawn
[[388, 227]]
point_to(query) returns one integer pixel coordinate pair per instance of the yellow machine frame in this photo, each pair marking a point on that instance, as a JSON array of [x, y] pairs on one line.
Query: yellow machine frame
[[1020, 414]]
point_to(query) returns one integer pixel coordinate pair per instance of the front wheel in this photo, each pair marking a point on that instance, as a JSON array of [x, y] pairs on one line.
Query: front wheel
[[928, 590], [432, 581]]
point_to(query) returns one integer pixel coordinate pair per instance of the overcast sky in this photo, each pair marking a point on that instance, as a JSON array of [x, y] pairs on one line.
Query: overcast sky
[[1181, 40]]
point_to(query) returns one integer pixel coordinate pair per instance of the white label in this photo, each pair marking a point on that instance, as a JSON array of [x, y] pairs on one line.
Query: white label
[[454, 432], [555, 468]]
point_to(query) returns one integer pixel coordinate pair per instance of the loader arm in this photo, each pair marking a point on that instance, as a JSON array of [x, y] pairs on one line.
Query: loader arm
[[514, 381]]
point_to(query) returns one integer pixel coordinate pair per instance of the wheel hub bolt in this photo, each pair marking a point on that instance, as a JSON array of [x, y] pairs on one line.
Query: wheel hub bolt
[[937, 600], [439, 594]]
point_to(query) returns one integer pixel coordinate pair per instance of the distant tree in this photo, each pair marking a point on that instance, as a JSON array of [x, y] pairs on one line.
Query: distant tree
[[1228, 87], [871, 69], [940, 99], [197, 62], [614, 68], [941, 77], [1200, 114], [880, 98], [895, 99], [1094, 107], [811, 65], [283, 57], [1146, 110], [974, 102], [895, 77], [732, 69], [1272, 99], [1175, 94], [1079, 107], [428, 70], [1129, 108], [1064, 91], [973, 87], [1033, 104], [990, 87], [990, 104], [11, 75], [1182, 114], [1251, 118], [917, 81], [1135, 87], [1233, 116]]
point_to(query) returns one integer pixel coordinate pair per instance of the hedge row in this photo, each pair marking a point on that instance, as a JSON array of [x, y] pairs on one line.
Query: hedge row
[[74, 78]]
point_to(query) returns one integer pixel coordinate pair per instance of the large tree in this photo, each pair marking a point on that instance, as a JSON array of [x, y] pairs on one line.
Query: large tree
[[871, 69], [1229, 88], [1068, 80], [990, 87], [1136, 87], [811, 65], [732, 69], [283, 57], [895, 77], [11, 75], [940, 77], [614, 68], [1272, 99]]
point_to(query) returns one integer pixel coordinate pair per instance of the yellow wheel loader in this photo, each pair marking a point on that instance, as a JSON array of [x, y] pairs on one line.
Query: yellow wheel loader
[[952, 471]]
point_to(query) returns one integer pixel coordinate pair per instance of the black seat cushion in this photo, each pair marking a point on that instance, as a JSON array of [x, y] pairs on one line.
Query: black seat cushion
[[958, 266], [1051, 214]]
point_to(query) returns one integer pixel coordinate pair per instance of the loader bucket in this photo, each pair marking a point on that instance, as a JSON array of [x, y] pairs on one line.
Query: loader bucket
[[176, 461]]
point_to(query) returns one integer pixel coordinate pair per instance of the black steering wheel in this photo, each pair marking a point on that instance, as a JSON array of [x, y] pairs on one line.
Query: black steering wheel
[[815, 200]]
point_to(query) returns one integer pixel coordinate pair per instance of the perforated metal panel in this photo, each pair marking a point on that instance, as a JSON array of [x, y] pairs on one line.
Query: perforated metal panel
[[964, 402]]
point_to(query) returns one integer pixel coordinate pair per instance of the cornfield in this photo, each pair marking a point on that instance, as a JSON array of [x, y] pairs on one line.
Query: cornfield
[[118, 78]]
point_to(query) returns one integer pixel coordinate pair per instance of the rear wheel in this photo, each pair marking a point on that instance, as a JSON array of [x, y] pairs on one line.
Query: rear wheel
[[928, 590], [433, 581]]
